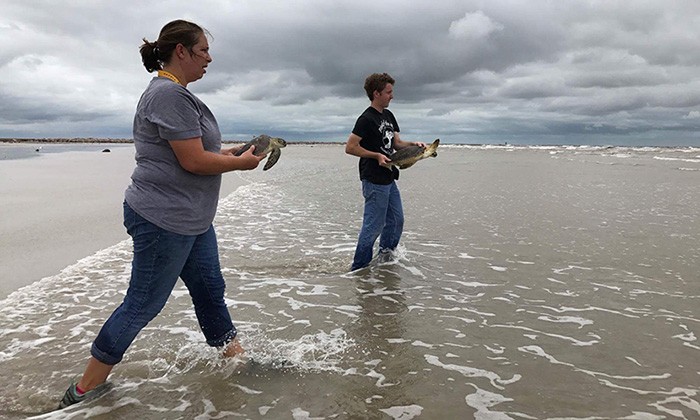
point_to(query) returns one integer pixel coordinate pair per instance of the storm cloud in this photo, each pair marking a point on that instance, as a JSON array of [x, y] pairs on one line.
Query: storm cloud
[[531, 72]]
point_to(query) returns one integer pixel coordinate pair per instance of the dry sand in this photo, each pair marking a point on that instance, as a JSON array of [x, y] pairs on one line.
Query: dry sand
[[58, 208]]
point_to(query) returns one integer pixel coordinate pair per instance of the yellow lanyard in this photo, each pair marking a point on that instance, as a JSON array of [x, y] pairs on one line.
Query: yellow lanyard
[[163, 73]]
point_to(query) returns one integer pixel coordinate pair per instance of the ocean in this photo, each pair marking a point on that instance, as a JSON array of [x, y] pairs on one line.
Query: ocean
[[531, 283], [23, 150]]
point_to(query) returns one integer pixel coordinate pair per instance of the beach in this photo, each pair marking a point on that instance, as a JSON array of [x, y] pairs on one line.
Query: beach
[[530, 283], [60, 204]]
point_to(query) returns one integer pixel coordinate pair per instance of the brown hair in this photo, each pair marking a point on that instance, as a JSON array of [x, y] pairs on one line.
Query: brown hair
[[155, 54], [378, 82]]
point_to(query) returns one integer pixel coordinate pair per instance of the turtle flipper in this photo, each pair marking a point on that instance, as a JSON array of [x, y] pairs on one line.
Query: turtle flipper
[[406, 165], [274, 157]]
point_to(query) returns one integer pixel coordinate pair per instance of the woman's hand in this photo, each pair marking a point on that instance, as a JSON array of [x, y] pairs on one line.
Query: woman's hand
[[193, 158], [248, 160], [231, 151]]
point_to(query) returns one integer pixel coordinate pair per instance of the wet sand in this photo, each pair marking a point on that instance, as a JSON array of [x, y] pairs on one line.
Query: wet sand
[[57, 208], [530, 283]]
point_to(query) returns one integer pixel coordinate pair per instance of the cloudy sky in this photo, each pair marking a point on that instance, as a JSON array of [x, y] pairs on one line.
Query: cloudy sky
[[517, 71]]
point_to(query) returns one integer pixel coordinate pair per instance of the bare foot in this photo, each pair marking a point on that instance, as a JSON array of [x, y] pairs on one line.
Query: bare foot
[[233, 349]]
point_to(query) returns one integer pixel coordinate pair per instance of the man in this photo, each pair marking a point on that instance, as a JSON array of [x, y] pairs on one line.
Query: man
[[374, 138]]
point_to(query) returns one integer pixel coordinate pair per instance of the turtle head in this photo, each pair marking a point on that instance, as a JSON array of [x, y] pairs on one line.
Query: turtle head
[[431, 150], [279, 142]]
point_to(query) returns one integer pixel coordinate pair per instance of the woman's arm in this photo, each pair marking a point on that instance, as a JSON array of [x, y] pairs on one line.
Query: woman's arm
[[193, 158]]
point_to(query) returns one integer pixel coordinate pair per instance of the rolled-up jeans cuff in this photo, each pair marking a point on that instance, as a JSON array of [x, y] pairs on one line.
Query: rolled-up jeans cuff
[[224, 339], [104, 357]]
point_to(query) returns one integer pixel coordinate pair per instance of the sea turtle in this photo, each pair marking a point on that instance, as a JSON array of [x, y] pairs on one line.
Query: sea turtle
[[406, 157], [265, 144]]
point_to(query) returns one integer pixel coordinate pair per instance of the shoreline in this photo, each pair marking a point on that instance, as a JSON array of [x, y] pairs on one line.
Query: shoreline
[[91, 140], [95, 140], [59, 208]]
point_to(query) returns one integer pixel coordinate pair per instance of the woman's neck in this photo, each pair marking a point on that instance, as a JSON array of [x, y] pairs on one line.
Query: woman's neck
[[174, 74]]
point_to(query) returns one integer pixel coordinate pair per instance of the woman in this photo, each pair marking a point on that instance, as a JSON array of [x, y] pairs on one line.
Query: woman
[[170, 205]]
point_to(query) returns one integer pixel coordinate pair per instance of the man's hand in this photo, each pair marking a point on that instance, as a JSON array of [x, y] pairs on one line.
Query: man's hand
[[383, 160]]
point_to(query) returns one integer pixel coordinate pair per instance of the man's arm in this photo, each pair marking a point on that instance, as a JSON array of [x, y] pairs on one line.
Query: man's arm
[[400, 144], [352, 147]]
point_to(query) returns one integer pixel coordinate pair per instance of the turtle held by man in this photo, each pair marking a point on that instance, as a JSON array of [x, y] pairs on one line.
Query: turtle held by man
[[265, 144], [408, 156]]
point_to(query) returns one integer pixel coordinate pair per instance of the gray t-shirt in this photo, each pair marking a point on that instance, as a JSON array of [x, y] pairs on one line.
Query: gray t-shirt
[[161, 191]]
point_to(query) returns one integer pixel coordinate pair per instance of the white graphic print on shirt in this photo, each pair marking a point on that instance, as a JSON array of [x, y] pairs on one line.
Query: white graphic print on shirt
[[387, 130]]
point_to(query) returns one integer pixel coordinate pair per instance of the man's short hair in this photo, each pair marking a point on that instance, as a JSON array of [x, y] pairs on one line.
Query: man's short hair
[[378, 82]]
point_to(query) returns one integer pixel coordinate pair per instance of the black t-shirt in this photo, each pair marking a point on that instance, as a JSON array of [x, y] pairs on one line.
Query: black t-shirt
[[377, 133]]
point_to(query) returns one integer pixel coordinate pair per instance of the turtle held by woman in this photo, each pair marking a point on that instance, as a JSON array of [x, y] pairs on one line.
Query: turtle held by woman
[[406, 157], [265, 144]]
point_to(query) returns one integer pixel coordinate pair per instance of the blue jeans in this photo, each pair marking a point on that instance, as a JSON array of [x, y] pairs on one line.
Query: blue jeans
[[160, 257], [383, 216]]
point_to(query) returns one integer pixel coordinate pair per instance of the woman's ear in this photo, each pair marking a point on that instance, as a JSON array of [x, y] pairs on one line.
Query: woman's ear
[[180, 50]]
